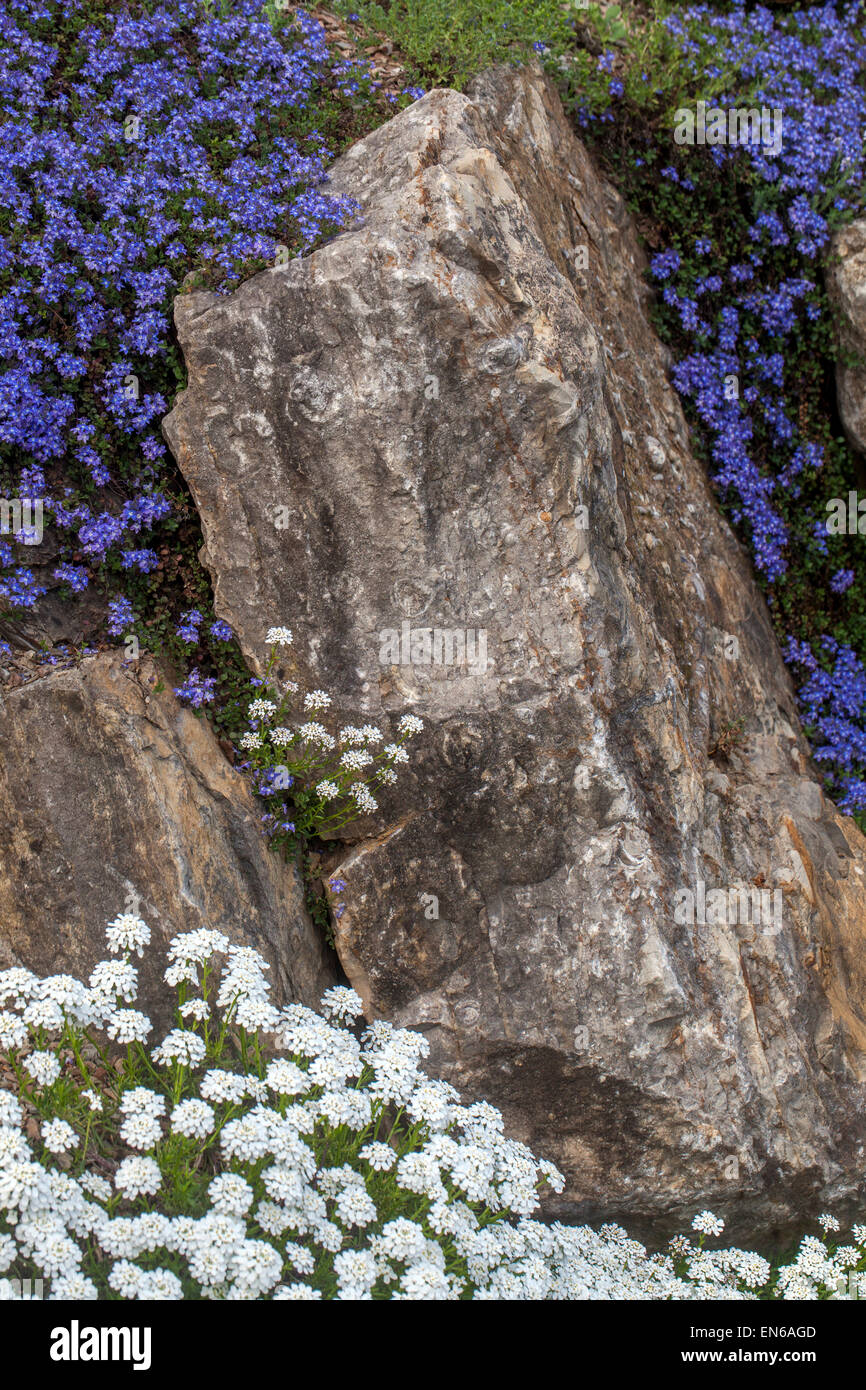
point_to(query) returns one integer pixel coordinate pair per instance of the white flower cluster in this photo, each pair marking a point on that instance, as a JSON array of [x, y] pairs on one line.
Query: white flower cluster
[[326, 1162], [343, 769]]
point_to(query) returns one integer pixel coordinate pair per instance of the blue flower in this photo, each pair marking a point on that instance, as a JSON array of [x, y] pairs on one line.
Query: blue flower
[[197, 689]]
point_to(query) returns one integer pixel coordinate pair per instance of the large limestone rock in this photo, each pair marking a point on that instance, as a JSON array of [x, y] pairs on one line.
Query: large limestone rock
[[846, 278], [456, 416], [111, 795]]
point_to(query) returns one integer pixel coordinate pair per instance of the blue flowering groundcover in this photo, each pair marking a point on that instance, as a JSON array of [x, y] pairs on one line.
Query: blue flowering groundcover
[[740, 233], [150, 146], [143, 147]]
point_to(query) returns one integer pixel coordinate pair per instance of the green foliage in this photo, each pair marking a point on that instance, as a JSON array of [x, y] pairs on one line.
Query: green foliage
[[446, 42]]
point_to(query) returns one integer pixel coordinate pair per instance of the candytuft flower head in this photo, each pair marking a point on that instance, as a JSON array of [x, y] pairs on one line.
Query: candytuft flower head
[[708, 1224], [128, 933], [138, 1177]]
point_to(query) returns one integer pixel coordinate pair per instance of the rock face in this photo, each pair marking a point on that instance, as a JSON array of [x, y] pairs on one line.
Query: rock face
[[456, 417], [846, 278], [112, 794]]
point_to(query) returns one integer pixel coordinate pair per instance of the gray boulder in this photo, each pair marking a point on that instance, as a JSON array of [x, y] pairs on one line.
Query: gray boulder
[[444, 450]]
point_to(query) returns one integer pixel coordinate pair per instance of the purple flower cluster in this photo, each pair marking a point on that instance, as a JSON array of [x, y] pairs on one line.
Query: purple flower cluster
[[136, 144], [189, 625], [809, 69], [120, 616], [833, 702], [198, 689], [740, 372]]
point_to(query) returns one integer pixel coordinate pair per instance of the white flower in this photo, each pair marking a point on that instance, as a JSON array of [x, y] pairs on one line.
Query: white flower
[[97, 1186], [251, 741], [128, 1026], [138, 1177], [355, 1207], [43, 1067], [44, 1013], [281, 735], [409, 724], [395, 753], [356, 1272], [115, 979], [73, 1288], [17, 984], [13, 1146], [426, 1281], [58, 1136], [417, 1172], [317, 733], [356, 759], [829, 1223], [286, 1078], [262, 709], [255, 1267], [379, 1156], [10, 1111], [271, 1218], [225, 1086], [279, 637], [434, 1102], [351, 734], [198, 1009], [198, 946], [402, 1240], [93, 1098], [256, 1015], [327, 790], [159, 1284], [316, 699], [551, 1175], [13, 1031], [249, 1137], [140, 1099], [22, 1185], [339, 1002], [230, 1192], [180, 1045], [141, 1131], [362, 798], [128, 933], [345, 1107], [193, 1118], [64, 990], [181, 973], [709, 1224]]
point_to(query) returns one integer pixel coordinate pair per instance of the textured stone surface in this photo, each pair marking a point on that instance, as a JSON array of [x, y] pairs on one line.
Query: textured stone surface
[[846, 278], [442, 417], [108, 789]]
